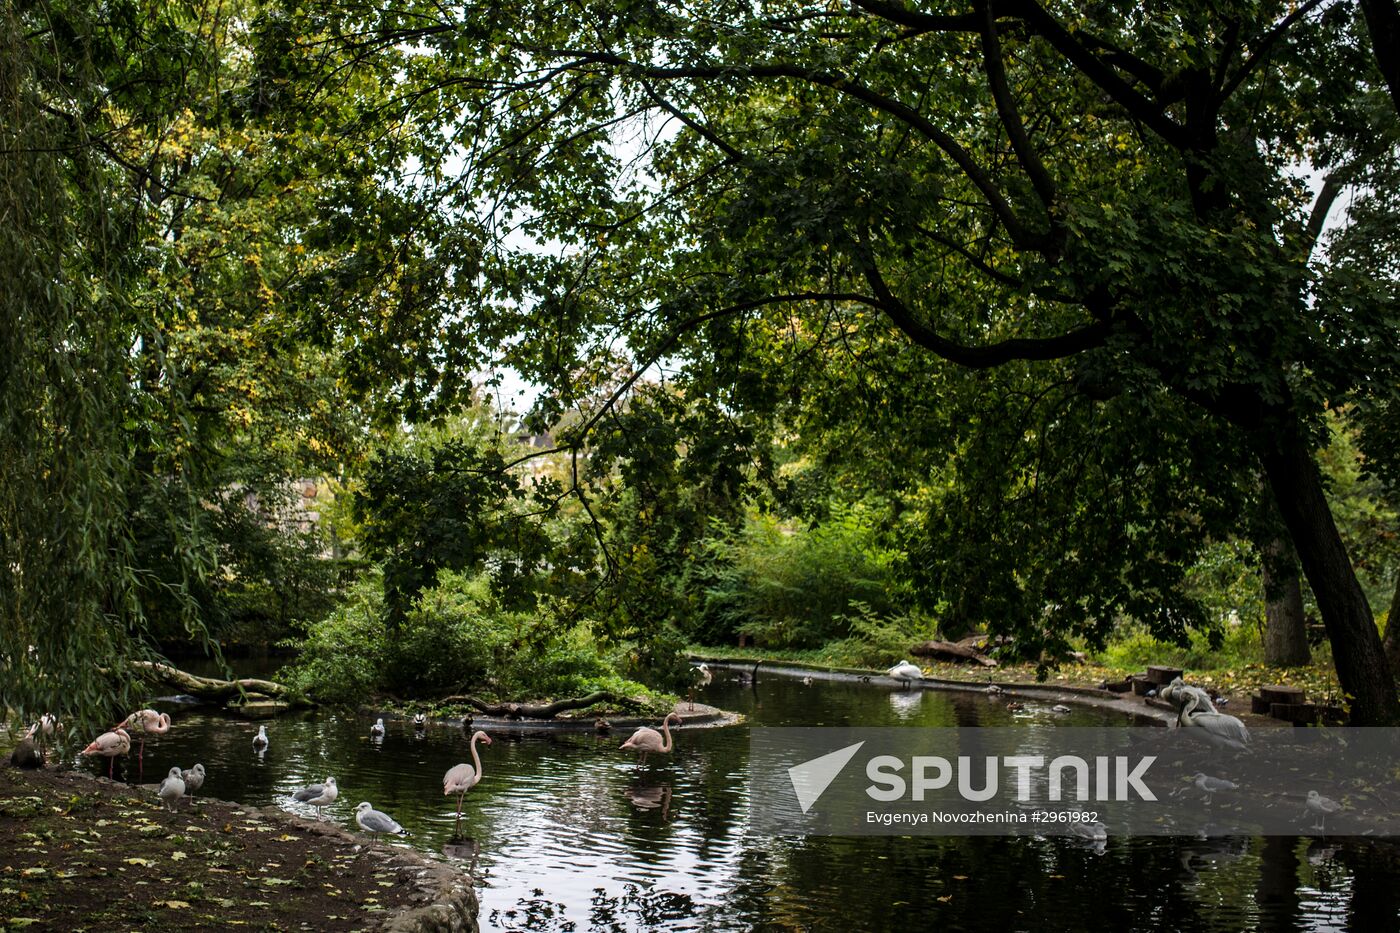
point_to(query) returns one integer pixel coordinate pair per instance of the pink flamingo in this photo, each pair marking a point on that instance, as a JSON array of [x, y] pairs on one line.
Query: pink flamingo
[[110, 745], [462, 778], [646, 739], [141, 722]]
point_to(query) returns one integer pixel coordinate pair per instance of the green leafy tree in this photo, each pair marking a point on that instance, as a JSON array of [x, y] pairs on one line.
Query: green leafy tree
[[73, 591], [1002, 184], [445, 500]]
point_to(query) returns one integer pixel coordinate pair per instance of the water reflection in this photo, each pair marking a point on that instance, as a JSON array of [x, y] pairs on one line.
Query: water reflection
[[464, 849], [905, 705], [650, 797], [565, 833]]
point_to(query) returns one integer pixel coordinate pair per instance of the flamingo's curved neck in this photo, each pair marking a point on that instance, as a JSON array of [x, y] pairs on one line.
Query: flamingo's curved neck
[[476, 759], [666, 728]]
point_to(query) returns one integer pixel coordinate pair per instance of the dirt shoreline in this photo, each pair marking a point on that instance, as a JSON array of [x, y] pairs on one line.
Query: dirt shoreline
[[85, 853]]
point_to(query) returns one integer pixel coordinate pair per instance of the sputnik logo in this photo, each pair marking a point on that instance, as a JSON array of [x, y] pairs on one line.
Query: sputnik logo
[[811, 778]]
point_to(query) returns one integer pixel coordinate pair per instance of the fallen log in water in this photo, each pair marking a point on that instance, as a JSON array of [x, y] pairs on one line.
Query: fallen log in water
[[541, 711], [209, 688]]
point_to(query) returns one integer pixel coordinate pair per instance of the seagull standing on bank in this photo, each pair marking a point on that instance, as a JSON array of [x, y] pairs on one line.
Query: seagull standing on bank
[[194, 779], [1210, 786], [1321, 807], [374, 822], [172, 788]]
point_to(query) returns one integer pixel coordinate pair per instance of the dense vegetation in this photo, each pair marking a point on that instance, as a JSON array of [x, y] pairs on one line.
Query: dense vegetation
[[851, 326]]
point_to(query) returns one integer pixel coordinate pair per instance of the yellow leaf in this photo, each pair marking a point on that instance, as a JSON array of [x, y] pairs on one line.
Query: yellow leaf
[[143, 862], [174, 905]]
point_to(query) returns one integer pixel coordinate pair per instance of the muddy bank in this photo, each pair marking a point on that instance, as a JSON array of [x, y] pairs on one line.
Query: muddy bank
[[86, 853]]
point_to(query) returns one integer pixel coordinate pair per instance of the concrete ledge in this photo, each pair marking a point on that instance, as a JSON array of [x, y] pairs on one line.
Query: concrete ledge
[[1144, 708]]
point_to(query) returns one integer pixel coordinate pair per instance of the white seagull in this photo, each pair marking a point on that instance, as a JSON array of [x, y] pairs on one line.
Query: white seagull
[[374, 822], [172, 788]]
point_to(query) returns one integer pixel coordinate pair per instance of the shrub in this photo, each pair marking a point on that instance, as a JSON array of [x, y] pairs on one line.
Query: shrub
[[880, 641], [799, 587], [455, 638], [1134, 648], [337, 660]]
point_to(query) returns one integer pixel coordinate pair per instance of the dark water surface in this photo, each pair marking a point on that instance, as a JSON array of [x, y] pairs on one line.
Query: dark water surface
[[566, 834]]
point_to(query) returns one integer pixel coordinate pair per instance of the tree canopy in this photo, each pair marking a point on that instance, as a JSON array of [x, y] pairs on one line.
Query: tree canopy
[[1114, 205], [1080, 291]]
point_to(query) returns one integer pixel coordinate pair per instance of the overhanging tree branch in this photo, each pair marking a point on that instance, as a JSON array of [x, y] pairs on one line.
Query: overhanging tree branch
[[1079, 53], [1266, 46], [1010, 116], [1331, 189], [844, 84], [1383, 22], [1095, 69], [975, 357], [705, 132]]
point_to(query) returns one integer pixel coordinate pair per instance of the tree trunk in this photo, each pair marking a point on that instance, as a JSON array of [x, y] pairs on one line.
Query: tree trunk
[[208, 688], [1356, 645], [1383, 21], [1392, 629], [1285, 629]]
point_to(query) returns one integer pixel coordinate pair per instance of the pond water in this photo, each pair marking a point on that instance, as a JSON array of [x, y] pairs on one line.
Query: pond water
[[566, 834]]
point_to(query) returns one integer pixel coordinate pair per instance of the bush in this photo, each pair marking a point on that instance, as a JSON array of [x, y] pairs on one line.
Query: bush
[[800, 587], [880, 641], [1132, 647], [337, 660], [455, 638]]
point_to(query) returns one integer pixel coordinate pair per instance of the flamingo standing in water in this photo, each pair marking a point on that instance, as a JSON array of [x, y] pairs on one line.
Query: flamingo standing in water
[[110, 745], [646, 739], [462, 778], [141, 722]]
